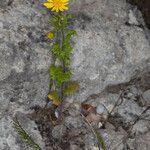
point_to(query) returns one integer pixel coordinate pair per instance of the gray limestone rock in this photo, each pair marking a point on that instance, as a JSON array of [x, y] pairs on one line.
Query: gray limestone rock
[[59, 131], [140, 142], [107, 52], [146, 96], [132, 18], [31, 128]]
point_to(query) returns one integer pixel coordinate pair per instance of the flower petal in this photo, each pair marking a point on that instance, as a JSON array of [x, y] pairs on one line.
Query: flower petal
[[64, 7], [61, 9], [48, 5], [57, 5], [65, 1], [57, 9], [54, 9]]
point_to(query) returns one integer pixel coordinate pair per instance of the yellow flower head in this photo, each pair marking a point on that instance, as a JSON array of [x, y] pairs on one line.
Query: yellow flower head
[[57, 5], [50, 35]]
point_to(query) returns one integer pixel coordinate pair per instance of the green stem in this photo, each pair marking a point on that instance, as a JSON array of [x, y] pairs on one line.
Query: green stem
[[52, 82], [52, 85], [63, 63]]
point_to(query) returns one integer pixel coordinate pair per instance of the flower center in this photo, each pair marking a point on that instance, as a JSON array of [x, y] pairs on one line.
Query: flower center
[[58, 3]]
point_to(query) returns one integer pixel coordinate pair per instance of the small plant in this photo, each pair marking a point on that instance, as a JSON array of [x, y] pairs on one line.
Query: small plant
[[24, 135], [60, 36], [60, 73]]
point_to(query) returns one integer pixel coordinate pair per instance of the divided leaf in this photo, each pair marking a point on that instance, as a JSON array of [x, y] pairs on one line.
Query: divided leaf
[[55, 98], [62, 54], [71, 88], [57, 74], [70, 33], [67, 49], [56, 50], [60, 21], [55, 22]]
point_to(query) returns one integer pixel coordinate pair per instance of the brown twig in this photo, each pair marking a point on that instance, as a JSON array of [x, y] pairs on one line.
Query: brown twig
[[139, 117], [117, 102]]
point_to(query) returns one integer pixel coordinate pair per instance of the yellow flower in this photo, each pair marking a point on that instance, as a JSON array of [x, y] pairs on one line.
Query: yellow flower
[[50, 35], [57, 5]]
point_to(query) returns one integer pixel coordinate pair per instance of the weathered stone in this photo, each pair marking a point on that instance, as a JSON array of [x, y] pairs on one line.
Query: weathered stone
[[141, 127], [73, 122], [113, 140], [75, 109], [102, 110], [130, 110], [59, 131], [146, 96], [8, 137], [107, 52], [90, 140], [140, 142], [144, 6], [6, 93], [132, 18], [31, 128], [74, 147]]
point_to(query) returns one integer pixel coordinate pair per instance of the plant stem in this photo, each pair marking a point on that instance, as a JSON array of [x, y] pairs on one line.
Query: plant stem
[[52, 85], [63, 63]]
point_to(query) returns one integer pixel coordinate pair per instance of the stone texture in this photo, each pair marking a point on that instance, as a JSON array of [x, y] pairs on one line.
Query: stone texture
[[132, 18], [144, 6], [31, 128], [73, 122], [59, 131], [141, 142], [114, 140], [111, 50], [146, 96]]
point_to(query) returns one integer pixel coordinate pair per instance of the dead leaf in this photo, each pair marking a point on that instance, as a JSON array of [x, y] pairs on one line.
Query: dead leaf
[[93, 118], [87, 108], [55, 98], [71, 88]]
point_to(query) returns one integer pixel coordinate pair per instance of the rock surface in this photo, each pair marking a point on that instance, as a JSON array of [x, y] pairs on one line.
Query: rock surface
[[111, 55], [144, 6]]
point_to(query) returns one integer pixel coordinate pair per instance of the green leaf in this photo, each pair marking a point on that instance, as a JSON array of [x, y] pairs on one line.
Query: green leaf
[[100, 140], [56, 50], [70, 33], [57, 74], [67, 49], [55, 22], [62, 55], [71, 88], [54, 96], [60, 21]]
